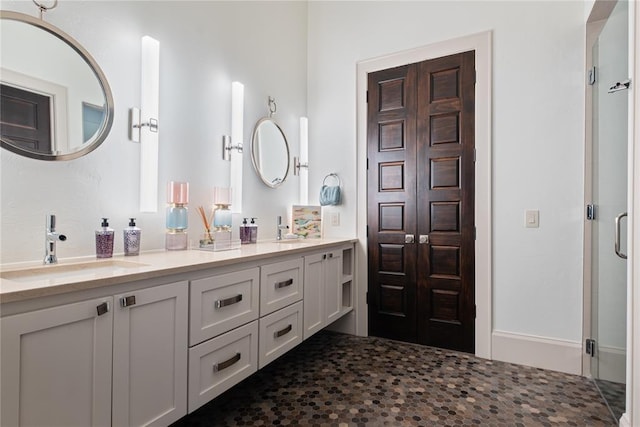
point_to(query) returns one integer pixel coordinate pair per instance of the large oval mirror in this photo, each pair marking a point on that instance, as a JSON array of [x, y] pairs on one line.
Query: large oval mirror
[[56, 102], [270, 152]]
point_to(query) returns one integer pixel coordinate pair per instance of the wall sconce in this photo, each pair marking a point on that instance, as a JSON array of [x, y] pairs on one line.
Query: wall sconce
[[237, 125], [303, 162], [143, 124]]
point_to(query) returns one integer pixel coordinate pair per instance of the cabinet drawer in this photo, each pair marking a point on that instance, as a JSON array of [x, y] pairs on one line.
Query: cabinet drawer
[[220, 363], [281, 285], [221, 303], [280, 332]]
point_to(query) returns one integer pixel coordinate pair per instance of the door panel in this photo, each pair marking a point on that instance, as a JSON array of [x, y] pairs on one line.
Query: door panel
[[420, 202], [391, 206], [26, 118], [609, 183], [445, 268]]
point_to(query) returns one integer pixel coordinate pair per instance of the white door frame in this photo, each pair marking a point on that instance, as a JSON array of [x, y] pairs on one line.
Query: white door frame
[[482, 44]]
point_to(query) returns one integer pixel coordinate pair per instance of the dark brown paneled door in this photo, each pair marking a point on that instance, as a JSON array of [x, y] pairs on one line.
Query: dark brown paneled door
[[420, 202]]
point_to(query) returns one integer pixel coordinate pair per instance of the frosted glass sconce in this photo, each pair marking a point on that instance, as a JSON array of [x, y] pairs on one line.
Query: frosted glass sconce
[[235, 143], [143, 124], [303, 162]]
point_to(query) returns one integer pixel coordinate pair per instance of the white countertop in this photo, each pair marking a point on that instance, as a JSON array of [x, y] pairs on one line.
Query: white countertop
[[87, 273]]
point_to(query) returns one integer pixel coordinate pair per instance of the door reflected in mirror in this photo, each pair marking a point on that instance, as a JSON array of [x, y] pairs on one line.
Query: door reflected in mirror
[[56, 102], [270, 152]]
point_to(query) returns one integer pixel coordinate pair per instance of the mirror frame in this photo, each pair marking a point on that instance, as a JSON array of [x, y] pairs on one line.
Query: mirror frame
[[254, 137], [105, 128]]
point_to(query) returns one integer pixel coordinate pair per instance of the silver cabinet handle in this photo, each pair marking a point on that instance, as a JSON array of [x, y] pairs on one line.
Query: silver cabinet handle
[[228, 301], [423, 239], [284, 284], [282, 332], [102, 308], [617, 242], [409, 238], [128, 301], [224, 365]]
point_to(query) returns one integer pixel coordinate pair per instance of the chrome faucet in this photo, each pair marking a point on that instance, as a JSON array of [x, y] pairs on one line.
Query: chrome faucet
[[51, 238], [280, 227]]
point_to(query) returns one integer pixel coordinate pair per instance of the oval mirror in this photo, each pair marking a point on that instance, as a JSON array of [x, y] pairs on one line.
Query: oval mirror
[[270, 152], [56, 102]]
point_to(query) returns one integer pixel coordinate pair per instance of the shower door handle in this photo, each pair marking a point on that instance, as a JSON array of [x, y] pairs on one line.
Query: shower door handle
[[617, 234]]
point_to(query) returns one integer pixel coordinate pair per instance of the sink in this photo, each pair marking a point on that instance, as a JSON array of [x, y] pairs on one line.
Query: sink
[[66, 271]]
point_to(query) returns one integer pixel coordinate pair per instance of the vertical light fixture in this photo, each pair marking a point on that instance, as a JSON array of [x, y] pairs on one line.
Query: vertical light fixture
[[148, 117], [237, 137], [303, 162]]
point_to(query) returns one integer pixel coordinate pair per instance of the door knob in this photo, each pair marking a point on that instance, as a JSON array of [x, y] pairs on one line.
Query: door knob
[[423, 239], [409, 238]]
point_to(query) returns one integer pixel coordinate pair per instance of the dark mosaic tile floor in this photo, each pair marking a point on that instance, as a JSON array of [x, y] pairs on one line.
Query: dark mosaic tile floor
[[341, 380], [614, 394]]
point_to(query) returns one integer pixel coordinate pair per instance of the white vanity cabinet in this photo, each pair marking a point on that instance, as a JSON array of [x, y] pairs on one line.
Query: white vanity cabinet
[[146, 348], [150, 356], [56, 365], [327, 288], [118, 360]]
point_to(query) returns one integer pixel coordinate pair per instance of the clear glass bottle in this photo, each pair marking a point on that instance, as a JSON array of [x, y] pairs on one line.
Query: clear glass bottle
[[131, 238], [253, 227], [104, 240], [245, 232], [222, 218]]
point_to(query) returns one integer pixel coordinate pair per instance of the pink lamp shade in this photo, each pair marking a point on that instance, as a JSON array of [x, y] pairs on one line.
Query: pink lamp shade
[[222, 196], [178, 192]]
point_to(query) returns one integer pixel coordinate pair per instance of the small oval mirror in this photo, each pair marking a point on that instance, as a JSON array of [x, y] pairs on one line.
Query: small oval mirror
[[56, 102], [270, 152]]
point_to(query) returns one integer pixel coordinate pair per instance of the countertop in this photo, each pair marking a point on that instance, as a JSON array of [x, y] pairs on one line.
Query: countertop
[[88, 272]]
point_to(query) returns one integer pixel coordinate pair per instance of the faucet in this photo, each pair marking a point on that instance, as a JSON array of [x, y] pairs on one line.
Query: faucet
[[51, 237], [280, 227]]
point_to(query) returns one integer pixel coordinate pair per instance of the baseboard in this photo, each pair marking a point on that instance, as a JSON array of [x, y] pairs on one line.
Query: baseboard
[[612, 366], [539, 352], [625, 421]]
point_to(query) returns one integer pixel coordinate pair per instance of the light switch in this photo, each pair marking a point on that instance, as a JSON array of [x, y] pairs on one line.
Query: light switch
[[335, 219], [532, 218]]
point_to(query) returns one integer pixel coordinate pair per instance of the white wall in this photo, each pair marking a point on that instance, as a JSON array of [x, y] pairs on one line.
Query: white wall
[[204, 46], [537, 135]]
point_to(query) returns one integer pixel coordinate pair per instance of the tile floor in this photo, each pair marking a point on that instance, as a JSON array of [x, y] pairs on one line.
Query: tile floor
[[340, 380]]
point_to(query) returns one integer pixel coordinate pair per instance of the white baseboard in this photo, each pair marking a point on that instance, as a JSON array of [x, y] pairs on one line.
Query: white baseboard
[[612, 366], [625, 421], [539, 352]]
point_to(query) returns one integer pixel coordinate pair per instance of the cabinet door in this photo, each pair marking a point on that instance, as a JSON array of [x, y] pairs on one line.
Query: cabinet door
[[314, 301], [150, 356], [56, 366], [333, 286]]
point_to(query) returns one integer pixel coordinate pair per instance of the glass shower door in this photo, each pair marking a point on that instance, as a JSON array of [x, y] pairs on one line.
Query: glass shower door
[[609, 172]]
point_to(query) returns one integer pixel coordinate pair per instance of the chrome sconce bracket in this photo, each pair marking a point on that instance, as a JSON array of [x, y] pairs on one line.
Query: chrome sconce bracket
[[297, 165], [227, 146], [135, 126]]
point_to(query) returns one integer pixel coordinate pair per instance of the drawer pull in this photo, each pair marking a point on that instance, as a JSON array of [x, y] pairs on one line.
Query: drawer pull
[[128, 301], [224, 365], [282, 332], [228, 301], [284, 284]]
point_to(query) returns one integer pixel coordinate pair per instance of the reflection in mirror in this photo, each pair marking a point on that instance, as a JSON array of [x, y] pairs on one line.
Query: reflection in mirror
[[56, 102], [270, 152]]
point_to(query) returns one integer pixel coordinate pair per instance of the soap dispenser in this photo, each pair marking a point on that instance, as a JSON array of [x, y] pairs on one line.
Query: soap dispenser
[[253, 230], [245, 232], [131, 235], [104, 240]]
